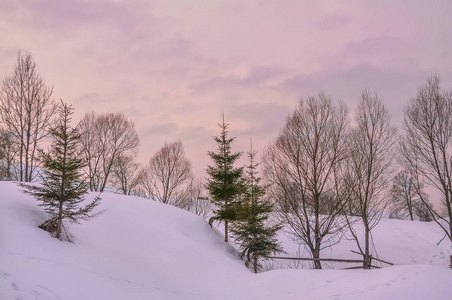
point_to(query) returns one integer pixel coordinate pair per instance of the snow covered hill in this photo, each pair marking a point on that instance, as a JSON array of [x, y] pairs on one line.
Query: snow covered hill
[[139, 249]]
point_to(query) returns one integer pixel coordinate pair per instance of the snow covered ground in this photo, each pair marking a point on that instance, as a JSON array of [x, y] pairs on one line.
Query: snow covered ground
[[139, 249]]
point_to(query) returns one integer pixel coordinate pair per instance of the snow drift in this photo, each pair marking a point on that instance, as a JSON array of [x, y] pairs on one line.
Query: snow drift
[[139, 249]]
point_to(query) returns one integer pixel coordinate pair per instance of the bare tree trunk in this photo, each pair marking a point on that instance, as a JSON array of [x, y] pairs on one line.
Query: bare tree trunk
[[366, 257], [255, 264], [60, 220], [27, 152], [317, 236], [449, 211], [21, 163], [316, 254], [410, 210], [226, 231]]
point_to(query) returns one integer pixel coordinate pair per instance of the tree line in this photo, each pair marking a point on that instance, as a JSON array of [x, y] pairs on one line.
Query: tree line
[[108, 144], [326, 174], [326, 170], [98, 153]]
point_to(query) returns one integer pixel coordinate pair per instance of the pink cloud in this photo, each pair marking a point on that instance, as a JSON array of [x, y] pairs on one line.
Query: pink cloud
[[175, 66]]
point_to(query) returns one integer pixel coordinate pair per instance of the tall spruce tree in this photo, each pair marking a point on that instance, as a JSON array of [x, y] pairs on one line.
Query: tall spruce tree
[[256, 236], [224, 182], [63, 187]]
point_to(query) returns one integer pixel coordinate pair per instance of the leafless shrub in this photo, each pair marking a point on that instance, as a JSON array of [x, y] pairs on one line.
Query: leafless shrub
[[194, 199]]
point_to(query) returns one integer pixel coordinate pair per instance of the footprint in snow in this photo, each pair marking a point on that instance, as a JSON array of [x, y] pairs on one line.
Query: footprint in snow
[[5, 274]]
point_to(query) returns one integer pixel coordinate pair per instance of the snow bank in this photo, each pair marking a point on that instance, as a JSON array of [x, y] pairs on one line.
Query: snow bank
[[139, 249]]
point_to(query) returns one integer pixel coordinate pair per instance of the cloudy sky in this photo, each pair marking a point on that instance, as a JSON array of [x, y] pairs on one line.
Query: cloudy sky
[[175, 66]]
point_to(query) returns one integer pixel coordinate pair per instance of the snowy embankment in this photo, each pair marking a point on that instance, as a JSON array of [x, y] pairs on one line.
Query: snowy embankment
[[139, 249]]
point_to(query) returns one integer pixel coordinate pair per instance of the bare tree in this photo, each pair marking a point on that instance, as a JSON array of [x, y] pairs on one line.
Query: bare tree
[[427, 145], [369, 165], [91, 149], [301, 169], [202, 207], [147, 182], [421, 209], [406, 195], [125, 173], [105, 138], [167, 174], [26, 110], [403, 195], [194, 199], [8, 153]]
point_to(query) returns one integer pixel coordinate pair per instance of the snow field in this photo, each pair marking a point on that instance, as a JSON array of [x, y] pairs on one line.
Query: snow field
[[139, 249]]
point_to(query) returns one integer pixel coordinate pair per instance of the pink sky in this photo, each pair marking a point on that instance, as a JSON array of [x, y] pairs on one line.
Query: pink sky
[[175, 66]]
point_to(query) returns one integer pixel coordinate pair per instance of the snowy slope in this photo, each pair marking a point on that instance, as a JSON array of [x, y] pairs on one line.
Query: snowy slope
[[396, 241], [139, 249]]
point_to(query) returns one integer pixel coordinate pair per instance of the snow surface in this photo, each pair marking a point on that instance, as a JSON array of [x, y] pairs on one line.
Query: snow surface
[[139, 249]]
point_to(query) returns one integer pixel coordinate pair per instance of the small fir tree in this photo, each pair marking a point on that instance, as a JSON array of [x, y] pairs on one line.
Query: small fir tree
[[63, 187], [257, 238], [224, 182]]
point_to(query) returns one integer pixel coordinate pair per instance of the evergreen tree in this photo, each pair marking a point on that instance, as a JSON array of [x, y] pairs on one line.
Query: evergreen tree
[[63, 187], [224, 184], [257, 238]]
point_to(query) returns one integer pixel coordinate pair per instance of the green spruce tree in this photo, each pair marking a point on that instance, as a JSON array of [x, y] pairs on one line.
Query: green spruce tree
[[224, 182], [63, 187], [257, 238]]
